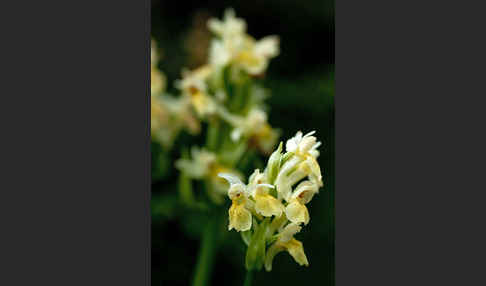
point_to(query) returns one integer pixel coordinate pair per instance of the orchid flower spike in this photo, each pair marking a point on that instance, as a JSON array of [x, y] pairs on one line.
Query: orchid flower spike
[[271, 209]]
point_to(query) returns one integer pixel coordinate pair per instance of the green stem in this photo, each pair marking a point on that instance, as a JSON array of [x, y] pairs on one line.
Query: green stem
[[206, 253], [249, 277], [212, 137]]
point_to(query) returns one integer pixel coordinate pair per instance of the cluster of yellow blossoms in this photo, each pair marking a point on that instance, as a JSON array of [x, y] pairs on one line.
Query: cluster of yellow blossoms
[[281, 192], [233, 57], [225, 92]]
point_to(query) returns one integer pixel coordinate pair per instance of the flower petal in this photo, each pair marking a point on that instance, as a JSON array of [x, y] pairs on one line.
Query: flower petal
[[289, 231], [239, 217], [231, 178], [267, 47], [293, 246], [267, 205], [297, 212], [293, 143], [296, 250]]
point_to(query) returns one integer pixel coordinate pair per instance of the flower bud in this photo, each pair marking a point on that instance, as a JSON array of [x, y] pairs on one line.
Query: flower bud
[[273, 164]]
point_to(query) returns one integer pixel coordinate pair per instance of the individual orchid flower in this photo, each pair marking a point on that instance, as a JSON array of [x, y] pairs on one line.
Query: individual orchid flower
[[265, 204], [194, 86], [199, 166], [296, 211], [229, 27], [302, 163], [205, 165], [255, 57], [286, 241], [240, 217], [240, 212], [254, 127], [169, 116], [303, 145]]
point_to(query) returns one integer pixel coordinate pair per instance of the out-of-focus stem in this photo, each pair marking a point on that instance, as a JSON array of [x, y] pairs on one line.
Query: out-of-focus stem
[[205, 257], [212, 135]]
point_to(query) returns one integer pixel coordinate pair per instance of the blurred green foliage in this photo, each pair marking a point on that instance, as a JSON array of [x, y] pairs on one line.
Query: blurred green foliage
[[301, 81]]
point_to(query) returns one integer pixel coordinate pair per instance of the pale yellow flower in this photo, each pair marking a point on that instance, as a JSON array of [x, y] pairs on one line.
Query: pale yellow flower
[[288, 232], [254, 127], [235, 46], [240, 213], [265, 204], [302, 163], [252, 123], [303, 145], [255, 55], [296, 211], [246, 53], [296, 250], [240, 217], [194, 86], [287, 242], [205, 165], [200, 164], [169, 116], [229, 27]]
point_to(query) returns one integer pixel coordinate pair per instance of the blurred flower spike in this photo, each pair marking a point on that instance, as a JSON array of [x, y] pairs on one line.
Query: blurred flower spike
[[226, 89], [271, 208]]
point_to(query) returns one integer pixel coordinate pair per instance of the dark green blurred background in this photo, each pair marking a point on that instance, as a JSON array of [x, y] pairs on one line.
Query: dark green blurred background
[[301, 80]]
